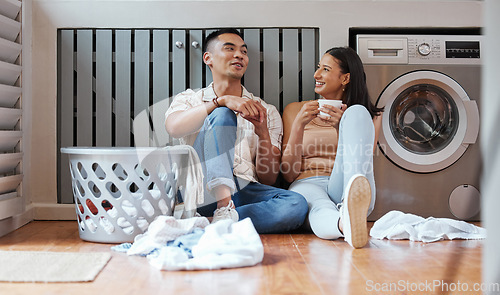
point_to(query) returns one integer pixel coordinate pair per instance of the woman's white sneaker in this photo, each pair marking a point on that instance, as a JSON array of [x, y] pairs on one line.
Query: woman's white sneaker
[[354, 211]]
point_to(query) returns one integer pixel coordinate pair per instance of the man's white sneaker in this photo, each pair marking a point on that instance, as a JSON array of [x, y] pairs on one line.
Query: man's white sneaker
[[228, 212], [357, 198]]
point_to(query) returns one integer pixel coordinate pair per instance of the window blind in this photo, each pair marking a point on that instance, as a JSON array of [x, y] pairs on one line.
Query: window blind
[[10, 109]]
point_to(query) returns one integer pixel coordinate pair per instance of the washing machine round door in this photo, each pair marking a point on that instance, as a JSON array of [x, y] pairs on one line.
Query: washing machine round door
[[428, 121]]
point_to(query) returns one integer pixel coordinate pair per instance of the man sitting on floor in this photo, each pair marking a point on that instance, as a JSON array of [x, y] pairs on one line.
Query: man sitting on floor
[[238, 139]]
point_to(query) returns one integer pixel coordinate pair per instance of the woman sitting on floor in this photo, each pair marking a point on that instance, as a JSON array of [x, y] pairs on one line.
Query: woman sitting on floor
[[329, 158]]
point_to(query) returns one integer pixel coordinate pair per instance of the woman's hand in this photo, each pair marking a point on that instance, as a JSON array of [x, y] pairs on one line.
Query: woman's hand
[[335, 115], [307, 113]]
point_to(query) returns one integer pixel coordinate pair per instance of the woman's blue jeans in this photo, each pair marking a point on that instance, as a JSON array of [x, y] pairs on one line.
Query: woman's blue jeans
[[271, 209]]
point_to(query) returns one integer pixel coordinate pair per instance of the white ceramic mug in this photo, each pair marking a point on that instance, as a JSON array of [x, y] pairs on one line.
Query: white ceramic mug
[[332, 102]]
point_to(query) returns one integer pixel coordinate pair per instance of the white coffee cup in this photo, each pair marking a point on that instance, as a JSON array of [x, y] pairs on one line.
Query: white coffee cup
[[333, 102]]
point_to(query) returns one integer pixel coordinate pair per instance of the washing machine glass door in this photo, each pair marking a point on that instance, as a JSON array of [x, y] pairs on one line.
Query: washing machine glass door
[[423, 119], [427, 122]]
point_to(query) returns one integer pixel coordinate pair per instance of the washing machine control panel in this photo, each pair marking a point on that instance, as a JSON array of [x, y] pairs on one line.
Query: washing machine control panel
[[420, 49], [424, 49]]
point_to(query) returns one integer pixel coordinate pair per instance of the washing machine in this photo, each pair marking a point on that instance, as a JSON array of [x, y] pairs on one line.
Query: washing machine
[[428, 159]]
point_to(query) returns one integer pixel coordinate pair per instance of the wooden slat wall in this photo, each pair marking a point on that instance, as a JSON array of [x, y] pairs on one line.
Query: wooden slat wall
[[84, 122], [66, 112], [290, 65], [122, 87], [179, 61], [126, 79], [195, 59], [271, 56], [208, 75], [309, 61], [103, 82], [141, 81], [161, 82], [252, 75]]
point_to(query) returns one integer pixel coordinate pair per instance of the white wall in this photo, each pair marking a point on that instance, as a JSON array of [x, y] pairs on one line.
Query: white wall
[[332, 17]]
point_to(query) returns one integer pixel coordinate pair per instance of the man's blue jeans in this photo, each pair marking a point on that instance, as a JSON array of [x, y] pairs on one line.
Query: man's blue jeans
[[271, 209]]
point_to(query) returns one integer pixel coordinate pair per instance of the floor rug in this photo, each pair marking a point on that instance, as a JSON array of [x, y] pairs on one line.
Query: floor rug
[[27, 266]]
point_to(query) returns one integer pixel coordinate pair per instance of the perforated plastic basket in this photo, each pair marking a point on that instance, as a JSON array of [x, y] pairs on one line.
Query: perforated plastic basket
[[119, 191]]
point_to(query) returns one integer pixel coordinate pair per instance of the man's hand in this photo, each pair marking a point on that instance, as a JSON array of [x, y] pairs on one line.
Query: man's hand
[[260, 121], [248, 109], [251, 110]]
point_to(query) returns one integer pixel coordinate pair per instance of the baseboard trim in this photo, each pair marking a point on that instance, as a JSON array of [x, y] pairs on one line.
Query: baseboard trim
[[44, 211], [12, 223], [37, 211]]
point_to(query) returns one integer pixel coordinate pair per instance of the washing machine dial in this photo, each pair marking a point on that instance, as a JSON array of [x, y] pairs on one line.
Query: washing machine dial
[[424, 49]]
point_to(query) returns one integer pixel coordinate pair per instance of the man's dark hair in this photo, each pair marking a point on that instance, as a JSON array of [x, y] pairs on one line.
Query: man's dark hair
[[213, 36]]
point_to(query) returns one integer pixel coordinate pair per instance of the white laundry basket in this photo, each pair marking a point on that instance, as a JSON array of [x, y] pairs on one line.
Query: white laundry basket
[[119, 191]]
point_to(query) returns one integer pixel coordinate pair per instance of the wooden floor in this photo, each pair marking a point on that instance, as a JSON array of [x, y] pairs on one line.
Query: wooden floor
[[297, 263]]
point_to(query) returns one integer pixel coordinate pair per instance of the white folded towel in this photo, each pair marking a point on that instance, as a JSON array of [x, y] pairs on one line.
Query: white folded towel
[[397, 225]]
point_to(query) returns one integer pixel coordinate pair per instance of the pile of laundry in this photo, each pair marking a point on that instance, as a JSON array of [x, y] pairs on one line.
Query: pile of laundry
[[195, 244], [397, 225]]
